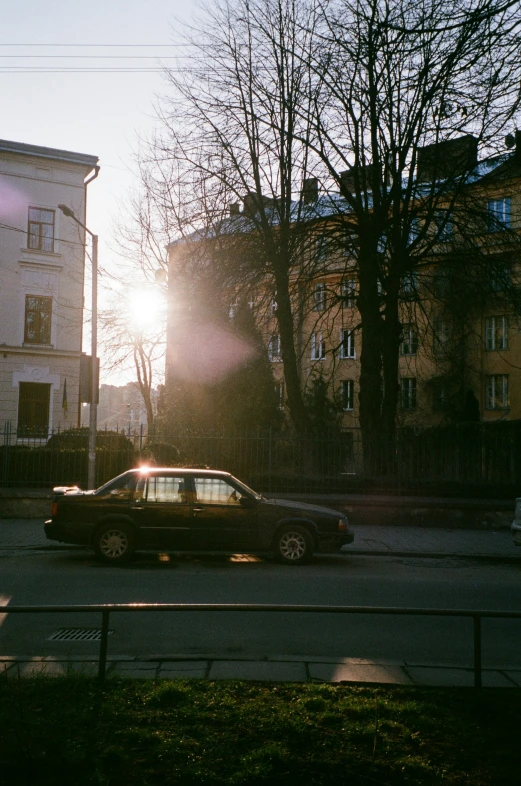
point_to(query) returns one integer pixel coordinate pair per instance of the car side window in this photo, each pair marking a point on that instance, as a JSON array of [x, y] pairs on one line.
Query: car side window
[[214, 491], [166, 488]]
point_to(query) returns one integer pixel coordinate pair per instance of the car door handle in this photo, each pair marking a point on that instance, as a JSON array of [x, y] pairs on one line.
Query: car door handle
[[198, 510]]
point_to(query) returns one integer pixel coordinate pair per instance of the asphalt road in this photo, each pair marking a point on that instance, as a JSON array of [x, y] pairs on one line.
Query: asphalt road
[[72, 576]]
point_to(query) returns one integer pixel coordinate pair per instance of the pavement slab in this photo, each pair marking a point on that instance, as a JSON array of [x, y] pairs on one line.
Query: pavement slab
[[258, 670]]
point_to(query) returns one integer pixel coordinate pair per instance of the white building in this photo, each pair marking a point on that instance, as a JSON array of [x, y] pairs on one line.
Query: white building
[[41, 286]]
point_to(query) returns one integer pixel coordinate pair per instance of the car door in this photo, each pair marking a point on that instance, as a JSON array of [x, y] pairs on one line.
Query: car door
[[162, 511], [219, 520]]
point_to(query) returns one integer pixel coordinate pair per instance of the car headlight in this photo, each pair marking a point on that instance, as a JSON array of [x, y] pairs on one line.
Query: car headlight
[[342, 525]]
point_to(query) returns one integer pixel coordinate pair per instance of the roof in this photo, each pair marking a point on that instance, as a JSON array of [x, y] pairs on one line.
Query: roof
[[332, 204], [51, 153]]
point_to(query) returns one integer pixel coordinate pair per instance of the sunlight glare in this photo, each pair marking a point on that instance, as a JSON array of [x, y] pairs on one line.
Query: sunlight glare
[[146, 308]]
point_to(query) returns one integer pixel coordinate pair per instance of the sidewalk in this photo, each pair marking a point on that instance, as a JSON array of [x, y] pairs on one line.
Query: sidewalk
[[302, 668]]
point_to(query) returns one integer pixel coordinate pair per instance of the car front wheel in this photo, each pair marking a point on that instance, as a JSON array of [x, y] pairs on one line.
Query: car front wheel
[[294, 545], [114, 543]]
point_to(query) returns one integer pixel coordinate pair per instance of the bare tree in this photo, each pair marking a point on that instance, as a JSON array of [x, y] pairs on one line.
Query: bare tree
[[398, 83], [133, 321], [234, 127]]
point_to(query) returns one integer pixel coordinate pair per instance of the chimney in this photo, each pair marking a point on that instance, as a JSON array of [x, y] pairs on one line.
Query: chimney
[[252, 203], [310, 190], [348, 178], [447, 159], [517, 152]]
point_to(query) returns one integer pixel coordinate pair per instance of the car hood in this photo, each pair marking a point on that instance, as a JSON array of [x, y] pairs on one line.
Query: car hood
[[305, 507]]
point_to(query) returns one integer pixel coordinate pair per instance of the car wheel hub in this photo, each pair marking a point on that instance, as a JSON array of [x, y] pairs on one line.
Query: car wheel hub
[[114, 543], [292, 545]]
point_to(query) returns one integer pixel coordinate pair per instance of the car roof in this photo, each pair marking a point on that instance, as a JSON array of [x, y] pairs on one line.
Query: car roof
[[145, 470]]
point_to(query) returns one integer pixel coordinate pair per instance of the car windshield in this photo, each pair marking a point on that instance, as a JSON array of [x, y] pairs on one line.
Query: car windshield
[[123, 483], [243, 487]]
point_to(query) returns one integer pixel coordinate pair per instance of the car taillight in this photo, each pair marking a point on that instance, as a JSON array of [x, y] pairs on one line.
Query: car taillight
[[342, 525], [54, 509]]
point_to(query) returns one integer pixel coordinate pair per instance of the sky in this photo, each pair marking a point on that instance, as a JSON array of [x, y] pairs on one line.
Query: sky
[[101, 112]]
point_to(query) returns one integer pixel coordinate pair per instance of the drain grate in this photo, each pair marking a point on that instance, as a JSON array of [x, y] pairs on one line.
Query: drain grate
[[77, 634]]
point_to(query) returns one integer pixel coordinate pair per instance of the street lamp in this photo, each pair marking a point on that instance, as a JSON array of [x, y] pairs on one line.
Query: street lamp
[[93, 413]]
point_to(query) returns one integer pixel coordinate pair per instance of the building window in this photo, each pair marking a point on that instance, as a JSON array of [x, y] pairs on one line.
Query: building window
[[318, 348], [440, 398], [414, 230], [322, 248], [274, 348], [441, 337], [444, 226], [496, 333], [496, 391], [37, 326], [408, 392], [348, 293], [409, 288], [319, 297], [409, 345], [347, 344], [232, 311], [498, 214], [33, 409], [347, 390], [499, 275], [280, 394], [273, 306], [41, 229]]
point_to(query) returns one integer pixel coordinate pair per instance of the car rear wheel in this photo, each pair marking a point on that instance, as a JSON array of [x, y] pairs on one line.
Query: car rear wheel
[[294, 545], [114, 543]]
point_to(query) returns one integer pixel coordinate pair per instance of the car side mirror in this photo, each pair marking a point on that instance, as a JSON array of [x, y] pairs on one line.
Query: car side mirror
[[247, 502]]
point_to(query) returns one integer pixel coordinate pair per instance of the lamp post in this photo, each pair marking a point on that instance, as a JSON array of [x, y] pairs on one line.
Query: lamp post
[[93, 412]]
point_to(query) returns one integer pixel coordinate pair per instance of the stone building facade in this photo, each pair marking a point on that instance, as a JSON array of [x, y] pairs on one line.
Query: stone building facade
[[42, 270]]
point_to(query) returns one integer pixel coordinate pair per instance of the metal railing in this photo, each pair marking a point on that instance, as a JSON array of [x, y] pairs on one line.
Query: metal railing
[[112, 608], [467, 458]]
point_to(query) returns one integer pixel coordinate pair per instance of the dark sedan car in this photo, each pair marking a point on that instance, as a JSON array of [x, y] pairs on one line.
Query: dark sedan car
[[191, 510]]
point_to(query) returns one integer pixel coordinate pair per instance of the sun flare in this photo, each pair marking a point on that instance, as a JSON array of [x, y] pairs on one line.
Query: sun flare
[[146, 309]]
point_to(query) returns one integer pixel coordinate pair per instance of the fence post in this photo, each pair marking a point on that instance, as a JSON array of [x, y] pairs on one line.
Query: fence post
[[104, 644], [269, 460], [477, 650]]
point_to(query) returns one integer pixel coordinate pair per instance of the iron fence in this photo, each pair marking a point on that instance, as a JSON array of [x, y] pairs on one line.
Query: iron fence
[[112, 608], [467, 460]]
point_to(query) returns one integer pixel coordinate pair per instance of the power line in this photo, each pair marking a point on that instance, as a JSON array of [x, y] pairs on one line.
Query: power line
[[156, 46], [56, 239]]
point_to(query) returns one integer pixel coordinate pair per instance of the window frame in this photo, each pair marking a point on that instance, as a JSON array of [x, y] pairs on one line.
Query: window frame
[[498, 220], [347, 395], [41, 238], [493, 331], [274, 353], [408, 394], [348, 293], [320, 297], [409, 346], [34, 412], [492, 384], [347, 350], [43, 334], [318, 346]]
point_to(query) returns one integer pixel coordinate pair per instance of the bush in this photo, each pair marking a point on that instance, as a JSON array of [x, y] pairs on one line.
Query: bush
[[78, 439]]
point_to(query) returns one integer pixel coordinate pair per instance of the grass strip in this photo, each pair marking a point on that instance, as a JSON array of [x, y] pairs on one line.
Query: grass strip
[[71, 730]]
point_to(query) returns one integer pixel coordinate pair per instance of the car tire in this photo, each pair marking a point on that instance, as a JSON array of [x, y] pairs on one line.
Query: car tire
[[114, 542], [293, 545]]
